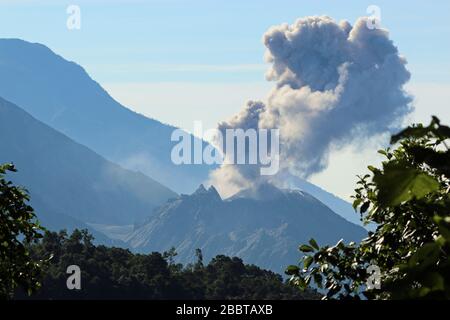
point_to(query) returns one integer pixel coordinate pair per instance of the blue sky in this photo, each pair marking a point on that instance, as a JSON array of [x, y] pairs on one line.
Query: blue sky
[[180, 61], [173, 37]]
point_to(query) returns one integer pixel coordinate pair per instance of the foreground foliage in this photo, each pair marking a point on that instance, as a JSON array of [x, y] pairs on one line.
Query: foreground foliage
[[18, 228], [408, 201], [115, 273]]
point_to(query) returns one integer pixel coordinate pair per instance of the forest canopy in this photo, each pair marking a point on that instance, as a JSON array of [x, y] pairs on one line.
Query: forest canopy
[[116, 273]]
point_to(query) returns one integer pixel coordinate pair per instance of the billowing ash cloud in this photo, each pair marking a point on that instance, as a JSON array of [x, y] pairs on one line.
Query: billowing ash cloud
[[333, 82]]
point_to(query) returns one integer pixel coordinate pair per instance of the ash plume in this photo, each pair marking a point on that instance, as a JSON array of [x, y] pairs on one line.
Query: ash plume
[[334, 82]]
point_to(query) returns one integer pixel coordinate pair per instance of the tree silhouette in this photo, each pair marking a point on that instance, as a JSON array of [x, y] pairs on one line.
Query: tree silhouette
[[408, 200], [18, 229]]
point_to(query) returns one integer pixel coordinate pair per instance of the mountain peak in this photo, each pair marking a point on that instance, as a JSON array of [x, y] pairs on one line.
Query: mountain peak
[[200, 190], [211, 191]]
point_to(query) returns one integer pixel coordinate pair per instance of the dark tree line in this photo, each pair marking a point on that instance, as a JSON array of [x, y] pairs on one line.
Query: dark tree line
[[115, 273]]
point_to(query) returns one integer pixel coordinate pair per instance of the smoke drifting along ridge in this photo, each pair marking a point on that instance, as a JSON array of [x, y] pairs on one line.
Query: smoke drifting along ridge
[[333, 82]]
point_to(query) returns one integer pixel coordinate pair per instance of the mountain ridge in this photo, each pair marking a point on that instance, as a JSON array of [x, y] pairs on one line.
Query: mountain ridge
[[68, 182], [62, 95], [263, 231]]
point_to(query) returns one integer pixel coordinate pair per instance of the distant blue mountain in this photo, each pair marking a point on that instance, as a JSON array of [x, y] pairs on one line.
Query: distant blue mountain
[[62, 95], [70, 185], [263, 225]]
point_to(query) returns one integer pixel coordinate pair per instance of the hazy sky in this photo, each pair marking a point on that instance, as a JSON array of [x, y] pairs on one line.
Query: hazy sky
[[180, 61]]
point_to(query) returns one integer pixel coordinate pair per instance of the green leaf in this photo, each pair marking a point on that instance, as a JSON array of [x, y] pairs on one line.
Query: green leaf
[[292, 270], [306, 248], [383, 152], [357, 203], [301, 283], [400, 184], [314, 244], [307, 262], [410, 132]]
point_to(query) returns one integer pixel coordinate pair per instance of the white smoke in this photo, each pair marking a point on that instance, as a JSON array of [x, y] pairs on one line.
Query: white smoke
[[333, 82]]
